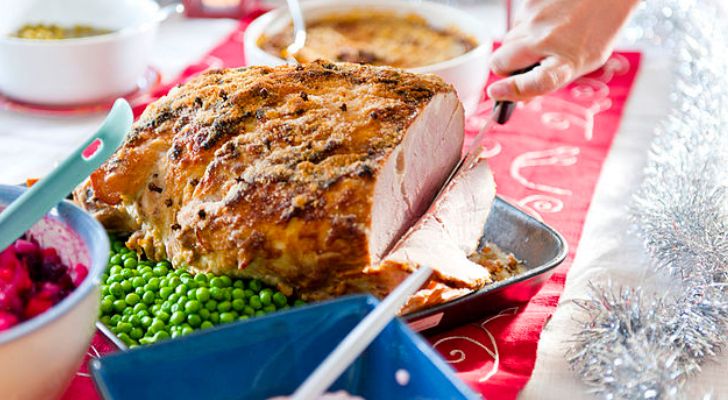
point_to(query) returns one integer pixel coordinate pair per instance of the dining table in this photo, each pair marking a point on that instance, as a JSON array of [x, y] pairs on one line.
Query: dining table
[[32, 143]]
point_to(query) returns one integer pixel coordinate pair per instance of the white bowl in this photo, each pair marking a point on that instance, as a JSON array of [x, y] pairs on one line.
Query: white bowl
[[39, 357], [467, 73], [83, 70]]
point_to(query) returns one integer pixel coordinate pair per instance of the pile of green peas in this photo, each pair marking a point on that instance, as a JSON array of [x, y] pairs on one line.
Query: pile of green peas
[[144, 302]]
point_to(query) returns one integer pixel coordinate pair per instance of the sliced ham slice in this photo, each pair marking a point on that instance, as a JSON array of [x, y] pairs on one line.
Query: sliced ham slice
[[444, 237]]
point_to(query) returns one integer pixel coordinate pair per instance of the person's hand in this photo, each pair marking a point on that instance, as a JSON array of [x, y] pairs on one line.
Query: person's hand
[[569, 38]]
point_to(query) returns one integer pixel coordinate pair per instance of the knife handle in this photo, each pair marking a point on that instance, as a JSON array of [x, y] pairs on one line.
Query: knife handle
[[505, 108]]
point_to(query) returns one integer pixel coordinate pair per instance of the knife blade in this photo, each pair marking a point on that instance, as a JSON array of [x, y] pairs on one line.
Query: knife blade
[[502, 111]]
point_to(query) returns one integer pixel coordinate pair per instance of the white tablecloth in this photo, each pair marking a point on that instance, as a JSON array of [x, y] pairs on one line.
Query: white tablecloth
[[31, 145]]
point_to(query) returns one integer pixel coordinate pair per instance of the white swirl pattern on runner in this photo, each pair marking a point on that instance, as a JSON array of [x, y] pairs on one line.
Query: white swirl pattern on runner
[[492, 352]]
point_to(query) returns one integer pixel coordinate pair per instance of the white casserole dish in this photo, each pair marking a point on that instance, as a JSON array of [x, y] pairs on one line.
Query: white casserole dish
[[467, 73], [82, 70]]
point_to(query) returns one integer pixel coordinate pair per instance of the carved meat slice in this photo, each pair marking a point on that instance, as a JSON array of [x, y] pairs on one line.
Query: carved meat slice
[[443, 239], [301, 176]]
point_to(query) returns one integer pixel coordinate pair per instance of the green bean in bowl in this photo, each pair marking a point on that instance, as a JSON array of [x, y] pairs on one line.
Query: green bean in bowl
[[144, 302]]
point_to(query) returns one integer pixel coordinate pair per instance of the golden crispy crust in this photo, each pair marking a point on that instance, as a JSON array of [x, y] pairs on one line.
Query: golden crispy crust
[[262, 172]]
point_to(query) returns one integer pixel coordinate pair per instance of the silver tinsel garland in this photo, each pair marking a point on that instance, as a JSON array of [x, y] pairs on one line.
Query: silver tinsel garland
[[639, 345]]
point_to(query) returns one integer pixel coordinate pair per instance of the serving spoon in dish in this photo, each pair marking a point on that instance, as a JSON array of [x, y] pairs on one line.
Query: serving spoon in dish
[[299, 31], [35, 202]]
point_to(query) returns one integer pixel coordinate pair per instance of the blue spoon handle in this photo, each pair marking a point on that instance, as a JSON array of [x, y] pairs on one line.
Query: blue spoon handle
[[35, 202]]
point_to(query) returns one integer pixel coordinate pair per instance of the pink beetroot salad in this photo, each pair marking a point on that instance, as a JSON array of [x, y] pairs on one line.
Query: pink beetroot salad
[[32, 280]]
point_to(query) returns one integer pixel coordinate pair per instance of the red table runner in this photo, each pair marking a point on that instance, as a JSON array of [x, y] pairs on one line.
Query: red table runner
[[546, 160]]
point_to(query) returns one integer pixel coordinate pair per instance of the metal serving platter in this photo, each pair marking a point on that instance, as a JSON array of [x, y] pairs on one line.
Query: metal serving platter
[[538, 246]]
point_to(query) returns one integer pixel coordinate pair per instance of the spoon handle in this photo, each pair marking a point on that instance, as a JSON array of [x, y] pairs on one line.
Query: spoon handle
[[37, 200]]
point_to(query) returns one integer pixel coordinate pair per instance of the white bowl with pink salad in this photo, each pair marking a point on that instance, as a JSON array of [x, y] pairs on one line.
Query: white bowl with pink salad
[[49, 300]]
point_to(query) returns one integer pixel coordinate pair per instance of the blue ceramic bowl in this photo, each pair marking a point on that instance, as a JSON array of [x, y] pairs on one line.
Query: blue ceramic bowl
[[272, 355], [40, 356]]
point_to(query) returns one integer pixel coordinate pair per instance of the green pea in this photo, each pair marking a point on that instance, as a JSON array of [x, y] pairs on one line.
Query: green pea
[[139, 291], [211, 305], [156, 326], [173, 298], [146, 341], [161, 335], [227, 317], [123, 327], [215, 317], [238, 284], [135, 320], [238, 293], [119, 305], [126, 285], [255, 302], [238, 304], [115, 259], [202, 294], [299, 303], [280, 299], [192, 294], [201, 278], [216, 293], [243, 317], [159, 270], [186, 330], [216, 282], [224, 306], [132, 299], [178, 318], [259, 313], [116, 290], [206, 325], [249, 311], [142, 313], [136, 333], [174, 282], [148, 297], [137, 282], [128, 311], [115, 319], [181, 289], [249, 293], [255, 285], [266, 298], [163, 315], [192, 306], [117, 246], [106, 320], [226, 281], [194, 320], [116, 269], [182, 300], [153, 283], [146, 321], [165, 292], [270, 308], [130, 263], [204, 314], [125, 338], [107, 306]]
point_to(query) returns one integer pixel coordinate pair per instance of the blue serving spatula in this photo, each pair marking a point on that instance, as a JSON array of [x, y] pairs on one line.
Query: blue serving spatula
[[35, 202]]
